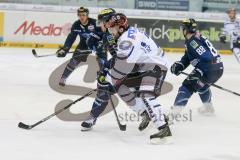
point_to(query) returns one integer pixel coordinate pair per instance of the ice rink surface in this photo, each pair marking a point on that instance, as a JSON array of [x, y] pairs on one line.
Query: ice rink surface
[[25, 96]]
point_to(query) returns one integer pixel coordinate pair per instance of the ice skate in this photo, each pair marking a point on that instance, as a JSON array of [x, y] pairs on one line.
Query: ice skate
[[145, 121], [163, 136], [88, 124], [62, 82], [207, 109]]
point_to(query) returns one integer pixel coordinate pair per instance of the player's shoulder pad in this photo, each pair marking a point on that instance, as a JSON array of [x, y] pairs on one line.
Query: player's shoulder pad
[[125, 42], [125, 46]]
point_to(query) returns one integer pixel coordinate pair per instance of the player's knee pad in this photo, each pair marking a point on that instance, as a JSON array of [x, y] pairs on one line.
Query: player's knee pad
[[153, 81], [127, 95], [130, 98], [154, 109], [183, 95], [103, 95], [205, 95]]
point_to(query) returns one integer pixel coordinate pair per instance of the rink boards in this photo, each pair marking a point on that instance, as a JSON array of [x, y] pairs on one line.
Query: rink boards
[[28, 29]]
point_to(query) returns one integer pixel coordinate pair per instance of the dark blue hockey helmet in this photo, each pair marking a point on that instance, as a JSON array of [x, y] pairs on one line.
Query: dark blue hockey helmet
[[106, 14], [83, 10], [189, 24]]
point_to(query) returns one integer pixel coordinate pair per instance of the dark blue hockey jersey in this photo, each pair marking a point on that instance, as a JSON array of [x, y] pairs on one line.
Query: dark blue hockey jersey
[[102, 41], [201, 54], [82, 31]]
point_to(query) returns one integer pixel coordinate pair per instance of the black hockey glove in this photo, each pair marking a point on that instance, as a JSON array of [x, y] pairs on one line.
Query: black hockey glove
[[222, 38], [177, 68], [102, 84], [61, 52]]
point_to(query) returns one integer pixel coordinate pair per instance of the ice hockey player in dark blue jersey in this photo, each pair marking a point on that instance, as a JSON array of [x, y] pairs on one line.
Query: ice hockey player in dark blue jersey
[[208, 68], [82, 28], [100, 42]]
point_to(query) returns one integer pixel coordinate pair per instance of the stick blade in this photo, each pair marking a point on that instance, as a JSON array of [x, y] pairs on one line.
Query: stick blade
[[24, 126], [34, 53], [123, 127]]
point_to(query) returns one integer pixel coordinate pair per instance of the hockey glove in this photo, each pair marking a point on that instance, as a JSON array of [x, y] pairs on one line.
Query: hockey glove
[[222, 38], [103, 84], [177, 68], [61, 52]]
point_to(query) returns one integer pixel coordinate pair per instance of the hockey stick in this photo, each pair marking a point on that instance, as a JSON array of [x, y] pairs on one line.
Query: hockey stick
[[121, 126], [28, 127], [35, 54], [47, 55], [219, 87]]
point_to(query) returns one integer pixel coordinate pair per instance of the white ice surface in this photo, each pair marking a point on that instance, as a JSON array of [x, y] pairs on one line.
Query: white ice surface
[[26, 96]]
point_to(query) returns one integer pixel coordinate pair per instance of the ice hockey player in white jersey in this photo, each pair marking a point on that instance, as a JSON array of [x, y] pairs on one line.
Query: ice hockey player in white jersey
[[137, 74], [232, 29]]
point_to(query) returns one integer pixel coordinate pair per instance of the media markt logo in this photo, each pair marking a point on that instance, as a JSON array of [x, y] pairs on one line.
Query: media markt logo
[[1, 25], [33, 28]]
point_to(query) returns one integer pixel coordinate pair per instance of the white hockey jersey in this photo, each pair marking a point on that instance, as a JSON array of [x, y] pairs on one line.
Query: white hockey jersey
[[232, 29], [137, 48]]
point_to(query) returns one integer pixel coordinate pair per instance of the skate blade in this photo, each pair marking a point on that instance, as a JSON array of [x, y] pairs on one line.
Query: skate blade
[[83, 129], [162, 141]]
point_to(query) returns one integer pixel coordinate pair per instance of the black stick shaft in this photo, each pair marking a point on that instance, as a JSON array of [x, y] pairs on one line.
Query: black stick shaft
[[62, 109], [219, 87], [121, 127], [34, 52]]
